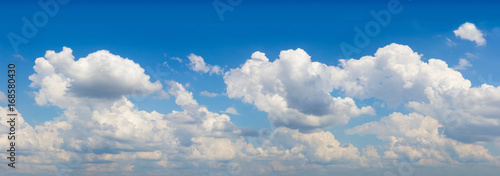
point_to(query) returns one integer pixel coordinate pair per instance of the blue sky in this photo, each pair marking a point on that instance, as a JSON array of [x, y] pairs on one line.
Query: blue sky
[[152, 33]]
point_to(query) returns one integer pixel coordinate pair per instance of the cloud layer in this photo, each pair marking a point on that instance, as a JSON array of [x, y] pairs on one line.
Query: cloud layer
[[106, 133]]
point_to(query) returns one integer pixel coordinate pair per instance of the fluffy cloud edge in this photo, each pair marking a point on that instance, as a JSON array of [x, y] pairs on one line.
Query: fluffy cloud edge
[[469, 31]]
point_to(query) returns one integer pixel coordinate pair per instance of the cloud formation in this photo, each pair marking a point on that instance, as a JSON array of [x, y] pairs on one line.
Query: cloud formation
[[196, 63], [420, 139], [469, 31], [294, 91], [302, 98], [100, 75]]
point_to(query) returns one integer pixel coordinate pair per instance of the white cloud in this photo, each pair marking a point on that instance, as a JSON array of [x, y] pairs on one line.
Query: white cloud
[[468, 31], [469, 115], [231, 110], [462, 64], [398, 76], [110, 135], [118, 136], [97, 76], [197, 64], [294, 91], [208, 94], [418, 138]]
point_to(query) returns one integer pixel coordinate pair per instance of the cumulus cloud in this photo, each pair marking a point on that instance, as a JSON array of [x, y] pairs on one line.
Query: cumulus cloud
[[397, 75], [294, 91], [420, 139], [118, 136], [462, 64], [115, 136], [469, 31], [231, 110], [111, 135], [196, 63], [469, 115], [99, 75]]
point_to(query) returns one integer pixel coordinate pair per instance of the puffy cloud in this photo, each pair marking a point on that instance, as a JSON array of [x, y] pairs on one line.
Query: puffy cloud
[[469, 115], [397, 75], [462, 64], [121, 137], [231, 110], [38, 146], [420, 139], [469, 31], [111, 135], [294, 91], [197, 64], [97, 76]]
